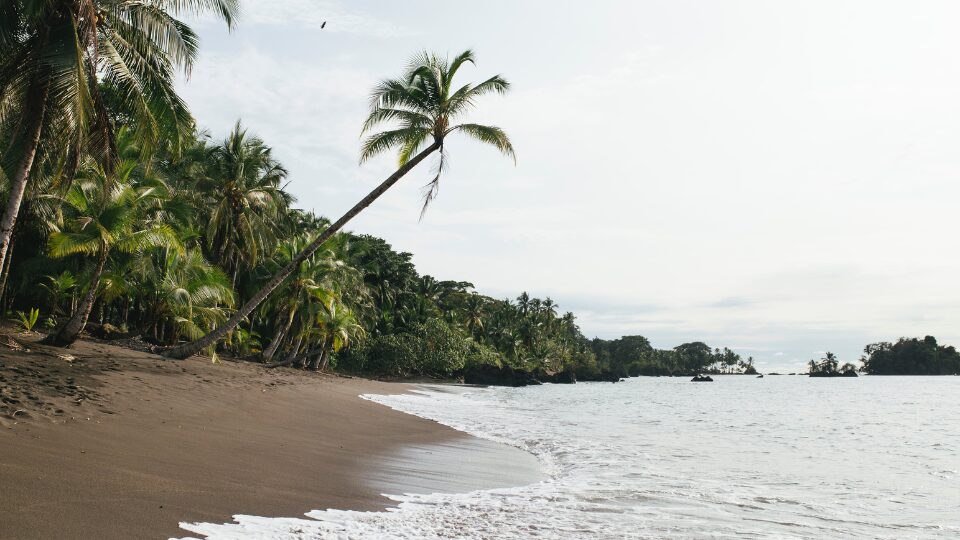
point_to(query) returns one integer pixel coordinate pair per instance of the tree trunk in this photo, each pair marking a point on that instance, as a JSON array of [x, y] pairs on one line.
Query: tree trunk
[[316, 358], [6, 270], [296, 348], [189, 349], [19, 182], [278, 337], [324, 358], [68, 333]]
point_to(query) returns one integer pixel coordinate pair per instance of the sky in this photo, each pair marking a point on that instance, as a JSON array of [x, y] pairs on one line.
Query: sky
[[779, 178]]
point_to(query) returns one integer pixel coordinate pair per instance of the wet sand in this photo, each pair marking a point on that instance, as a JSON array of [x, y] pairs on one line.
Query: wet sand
[[117, 443]]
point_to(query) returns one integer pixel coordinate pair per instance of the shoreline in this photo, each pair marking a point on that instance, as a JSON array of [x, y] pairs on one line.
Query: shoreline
[[116, 443]]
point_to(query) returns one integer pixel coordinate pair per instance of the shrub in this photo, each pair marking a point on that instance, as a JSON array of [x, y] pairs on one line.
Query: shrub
[[26, 321]]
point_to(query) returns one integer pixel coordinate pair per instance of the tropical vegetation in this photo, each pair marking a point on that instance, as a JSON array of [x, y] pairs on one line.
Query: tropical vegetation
[[829, 366], [911, 356]]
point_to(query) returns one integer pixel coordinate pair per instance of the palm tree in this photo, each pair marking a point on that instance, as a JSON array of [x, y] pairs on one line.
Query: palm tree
[[57, 56], [424, 104], [182, 290], [523, 303], [473, 314], [338, 329], [57, 288], [101, 217], [549, 311], [246, 201], [315, 280]]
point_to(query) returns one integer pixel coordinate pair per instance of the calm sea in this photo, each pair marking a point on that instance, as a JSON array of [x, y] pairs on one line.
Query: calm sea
[[778, 457]]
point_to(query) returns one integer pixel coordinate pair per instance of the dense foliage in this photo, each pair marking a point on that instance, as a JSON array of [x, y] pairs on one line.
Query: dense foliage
[[911, 356], [633, 355]]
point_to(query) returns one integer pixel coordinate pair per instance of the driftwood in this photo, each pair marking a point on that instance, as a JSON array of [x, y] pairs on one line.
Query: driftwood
[[13, 344]]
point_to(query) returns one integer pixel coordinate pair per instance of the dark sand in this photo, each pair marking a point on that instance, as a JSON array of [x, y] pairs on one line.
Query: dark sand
[[122, 444]]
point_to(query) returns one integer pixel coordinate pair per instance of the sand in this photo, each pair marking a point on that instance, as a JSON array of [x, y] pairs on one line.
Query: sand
[[116, 443]]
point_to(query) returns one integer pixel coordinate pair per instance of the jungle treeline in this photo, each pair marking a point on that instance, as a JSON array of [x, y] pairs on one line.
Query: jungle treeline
[[176, 241]]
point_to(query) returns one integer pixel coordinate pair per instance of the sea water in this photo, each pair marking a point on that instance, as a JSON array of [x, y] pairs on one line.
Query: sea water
[[741, 457]]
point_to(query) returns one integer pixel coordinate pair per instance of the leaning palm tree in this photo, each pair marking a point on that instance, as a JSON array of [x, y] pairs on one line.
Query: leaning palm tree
[[310, 283], [102, 217], [423, 107], [56, 56]]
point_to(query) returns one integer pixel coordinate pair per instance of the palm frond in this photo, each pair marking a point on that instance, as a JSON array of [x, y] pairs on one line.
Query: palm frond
[[379, 143], [491, 135], [64, 244]]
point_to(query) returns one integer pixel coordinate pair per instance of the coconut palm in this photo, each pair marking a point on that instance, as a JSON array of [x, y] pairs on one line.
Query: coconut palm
[[56, 57], [182, 291], [424, 106], [246, 201], [338, 328], [100, 217], [311, 282], [473, 314], [549, 310], [523, 303]]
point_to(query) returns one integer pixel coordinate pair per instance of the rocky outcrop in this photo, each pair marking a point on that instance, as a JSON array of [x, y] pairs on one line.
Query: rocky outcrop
[[701, 378], [488, 374], [603, 376], [566, 376]]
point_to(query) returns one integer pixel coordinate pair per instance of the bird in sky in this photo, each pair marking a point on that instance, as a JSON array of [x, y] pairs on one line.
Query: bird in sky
[[323, 25]]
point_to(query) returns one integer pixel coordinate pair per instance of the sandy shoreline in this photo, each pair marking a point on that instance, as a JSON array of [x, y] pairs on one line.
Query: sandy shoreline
[[122, 444]]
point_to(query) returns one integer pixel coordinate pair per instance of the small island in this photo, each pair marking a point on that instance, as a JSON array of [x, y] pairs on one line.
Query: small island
[[911, 356], [827, 367]]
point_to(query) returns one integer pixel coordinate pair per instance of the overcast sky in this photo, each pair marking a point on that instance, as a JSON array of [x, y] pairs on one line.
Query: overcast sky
[[776, 177]]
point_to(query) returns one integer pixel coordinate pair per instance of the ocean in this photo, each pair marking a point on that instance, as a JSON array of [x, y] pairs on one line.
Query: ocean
[[779, 457]]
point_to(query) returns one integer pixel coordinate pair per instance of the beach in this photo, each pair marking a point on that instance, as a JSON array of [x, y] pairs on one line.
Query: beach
[[110, 442]]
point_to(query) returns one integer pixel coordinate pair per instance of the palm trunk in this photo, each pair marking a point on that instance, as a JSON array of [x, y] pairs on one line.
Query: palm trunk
[[281, 332], [291, 359], [296, 349], [6, 271], [189, 349], [19, 183], [66, 335], [316, 359], [324, 357]]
